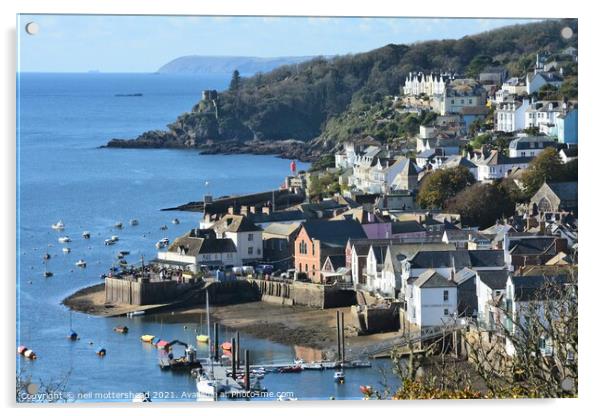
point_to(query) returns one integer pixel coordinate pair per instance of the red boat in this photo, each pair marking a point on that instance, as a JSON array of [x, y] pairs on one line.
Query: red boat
[[367, 390], [291, 369], [226, 346]]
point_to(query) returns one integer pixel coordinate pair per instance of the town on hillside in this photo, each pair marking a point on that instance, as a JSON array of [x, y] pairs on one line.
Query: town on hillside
[[470, 225]]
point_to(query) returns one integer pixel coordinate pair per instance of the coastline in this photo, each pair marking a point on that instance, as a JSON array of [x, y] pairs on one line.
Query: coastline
[[298, 326]]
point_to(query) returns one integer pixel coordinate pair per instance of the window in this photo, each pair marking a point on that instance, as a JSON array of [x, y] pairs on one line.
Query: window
[[446, 312], [259, 252], [306, 268], [250, 250], [445, 296], [250, 236]]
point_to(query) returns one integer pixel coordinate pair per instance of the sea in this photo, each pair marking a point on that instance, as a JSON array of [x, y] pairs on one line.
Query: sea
[[64, 174]]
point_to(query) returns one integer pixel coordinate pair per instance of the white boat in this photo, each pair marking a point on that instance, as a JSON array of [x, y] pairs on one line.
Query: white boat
[[58, 226], [80, 263], [66, 250], [339, 377], [64, 240], [109, 242], [114, 238], [175, 221], [299, 361], [135, 313], [207, 387], [86, 234], [134, 222], [162, 243]]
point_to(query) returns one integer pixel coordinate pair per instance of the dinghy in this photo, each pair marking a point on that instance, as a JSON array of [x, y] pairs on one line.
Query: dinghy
[[147, 338]]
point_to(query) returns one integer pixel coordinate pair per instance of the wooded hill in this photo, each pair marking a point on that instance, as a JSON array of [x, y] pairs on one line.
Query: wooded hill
[[297, 101]]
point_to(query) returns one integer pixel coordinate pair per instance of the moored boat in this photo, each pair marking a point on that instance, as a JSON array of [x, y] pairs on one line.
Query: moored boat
[[147, 338], [339, 377], [46, 256], [86, 234], [226, 346], [81, 263], [291, 369], [64, 240], [202, 338], [121, 329], [59, 226], [118, 225], [134, 222], [175, 221], [101, 352], [109, 242], [66, 250]]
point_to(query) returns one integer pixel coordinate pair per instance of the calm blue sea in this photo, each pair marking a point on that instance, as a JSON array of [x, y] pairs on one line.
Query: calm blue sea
[[63, 175]]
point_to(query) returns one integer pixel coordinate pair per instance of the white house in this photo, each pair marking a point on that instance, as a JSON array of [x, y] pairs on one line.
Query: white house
[[459, 94], [510, 117], [199, 248], [497, 166], [543, 116], [246, 236], [420, 83], [538, 79], [432, 299], [490, 288], [529, 146], [346, 158], [514, 86]]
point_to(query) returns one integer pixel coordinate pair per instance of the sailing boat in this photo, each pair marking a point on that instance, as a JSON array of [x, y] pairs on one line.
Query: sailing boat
[[204, 338], [46, 272], [207, 385]]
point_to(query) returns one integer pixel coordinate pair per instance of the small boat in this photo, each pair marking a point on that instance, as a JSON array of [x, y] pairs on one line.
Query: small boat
[[291, 369], [29, 354], [135, 313], [141, 398], [81, 263], [59, 226], [202, 338], [124, 252], [21, 349], [48, 274], [121, 329], [86, 235], [114, 238], [162, 243], [66, 250], [46, 256], [367, 390], [147, 338], [313, 366], [64, 240], [162, 345], [118, 225], [109, 242], [133, 222], [226, 346], [339, 377], [101, 352], [163, 227], [175, 221], [73, 336]]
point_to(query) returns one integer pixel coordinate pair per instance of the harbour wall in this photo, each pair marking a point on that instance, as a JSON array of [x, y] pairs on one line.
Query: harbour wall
[[138, 292], [301, 293]]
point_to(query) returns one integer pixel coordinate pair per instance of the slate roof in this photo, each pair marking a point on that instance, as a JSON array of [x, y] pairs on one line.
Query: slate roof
[[496, 158], [402, 227], [566, 191], [278, 228], [528, 288], [457, 160], [334, 233], [458, 258], [533, 246], [234, 224], [193, 246], [432, 279], [521, 143], [494, 279]]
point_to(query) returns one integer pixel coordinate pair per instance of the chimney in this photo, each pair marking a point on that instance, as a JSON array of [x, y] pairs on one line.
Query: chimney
[[266, 210], [231, 210], [252, 209], [244, 210]]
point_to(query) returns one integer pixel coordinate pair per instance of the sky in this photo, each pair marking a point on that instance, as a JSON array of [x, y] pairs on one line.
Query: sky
[[80, 43]]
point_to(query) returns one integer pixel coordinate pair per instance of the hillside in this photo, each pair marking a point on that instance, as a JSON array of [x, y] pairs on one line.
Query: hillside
[[298, 101], [246, 65]]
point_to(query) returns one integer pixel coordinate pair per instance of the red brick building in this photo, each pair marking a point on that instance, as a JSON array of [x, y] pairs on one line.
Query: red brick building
[[319, 239]]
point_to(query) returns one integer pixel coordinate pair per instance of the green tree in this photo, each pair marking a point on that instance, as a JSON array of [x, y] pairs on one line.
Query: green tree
[[545, 167], [235, 81], [477, 64], [442, 185], [482, 204]]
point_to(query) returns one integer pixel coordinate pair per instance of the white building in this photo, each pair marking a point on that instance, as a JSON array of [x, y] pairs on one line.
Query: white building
[[459, 94], [529, 146], [510, 117], [346, 159], [246, 236], [543, 116], [490, 288], [199, 248], [432, 299], [419, 83], [497, 166]]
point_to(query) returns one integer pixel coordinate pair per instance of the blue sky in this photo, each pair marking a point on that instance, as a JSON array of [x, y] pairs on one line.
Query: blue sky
[[79, 43]]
